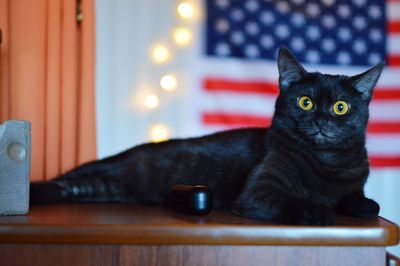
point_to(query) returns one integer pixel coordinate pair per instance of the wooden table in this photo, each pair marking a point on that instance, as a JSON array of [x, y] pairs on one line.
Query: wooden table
[[126, 234]]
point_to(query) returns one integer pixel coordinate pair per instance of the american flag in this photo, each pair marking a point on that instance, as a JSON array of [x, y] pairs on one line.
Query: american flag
[[238, 74]]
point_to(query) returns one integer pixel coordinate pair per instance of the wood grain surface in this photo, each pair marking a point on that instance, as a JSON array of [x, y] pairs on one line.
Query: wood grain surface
[[167, 255], [138, 224]]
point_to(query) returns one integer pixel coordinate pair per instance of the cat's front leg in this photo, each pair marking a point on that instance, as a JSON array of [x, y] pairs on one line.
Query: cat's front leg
[[273, 205], [357, 205], [274, 192]]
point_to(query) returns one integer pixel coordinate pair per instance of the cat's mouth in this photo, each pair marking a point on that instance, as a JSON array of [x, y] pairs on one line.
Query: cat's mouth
[[321, 138], [319, 134], [322, 134]]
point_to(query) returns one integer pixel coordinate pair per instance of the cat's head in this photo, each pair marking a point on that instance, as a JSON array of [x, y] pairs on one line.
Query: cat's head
[[326, 110]]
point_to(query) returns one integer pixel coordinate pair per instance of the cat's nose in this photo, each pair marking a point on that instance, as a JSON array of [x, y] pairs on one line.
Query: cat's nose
[[320, 124]]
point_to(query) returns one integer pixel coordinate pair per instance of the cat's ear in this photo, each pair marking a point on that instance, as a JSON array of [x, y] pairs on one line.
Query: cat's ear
[[289, 69], [365, 82]]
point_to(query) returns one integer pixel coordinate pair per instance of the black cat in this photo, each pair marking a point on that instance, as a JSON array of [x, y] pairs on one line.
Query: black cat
[[309, 165]]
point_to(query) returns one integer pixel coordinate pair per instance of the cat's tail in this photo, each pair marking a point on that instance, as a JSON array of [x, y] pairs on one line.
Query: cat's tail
[[47, 192], [92, 182]]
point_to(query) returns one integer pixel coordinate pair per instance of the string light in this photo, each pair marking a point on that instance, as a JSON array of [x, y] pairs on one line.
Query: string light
[[152, 101], [185, 10], [169, 82], [182, 36], [159, 132], [160, 54]]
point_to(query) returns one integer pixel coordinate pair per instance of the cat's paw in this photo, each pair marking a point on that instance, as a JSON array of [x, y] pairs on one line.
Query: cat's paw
[[358, 207], [312, 214], [286, 211]]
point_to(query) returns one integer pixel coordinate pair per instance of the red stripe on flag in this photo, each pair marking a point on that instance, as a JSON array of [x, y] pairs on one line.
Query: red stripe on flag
[[387, 94], [384, 127], [218, 84], [393, 60], [384, 161], [263, 87], [393, 26], [235, 120]]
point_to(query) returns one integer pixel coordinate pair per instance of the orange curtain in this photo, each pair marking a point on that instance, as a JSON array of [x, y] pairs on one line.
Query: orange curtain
[[47, 77]]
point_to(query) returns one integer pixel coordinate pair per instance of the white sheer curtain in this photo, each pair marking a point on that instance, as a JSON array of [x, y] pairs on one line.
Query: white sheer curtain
[[125, 32]]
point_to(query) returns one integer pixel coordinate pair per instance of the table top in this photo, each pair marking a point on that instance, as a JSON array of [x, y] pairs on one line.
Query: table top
[[139, 224]]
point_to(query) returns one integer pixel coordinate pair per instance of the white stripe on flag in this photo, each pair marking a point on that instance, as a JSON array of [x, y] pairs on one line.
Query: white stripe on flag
[[383, 144], [384, 110], [240, 69], [393, 11], [394, 44], [236, 103]]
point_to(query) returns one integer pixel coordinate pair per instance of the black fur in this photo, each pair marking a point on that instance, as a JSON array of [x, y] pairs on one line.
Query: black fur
[[305, 168]]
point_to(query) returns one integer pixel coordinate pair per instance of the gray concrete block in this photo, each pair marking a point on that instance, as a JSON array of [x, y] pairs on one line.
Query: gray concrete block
[[15, 155]]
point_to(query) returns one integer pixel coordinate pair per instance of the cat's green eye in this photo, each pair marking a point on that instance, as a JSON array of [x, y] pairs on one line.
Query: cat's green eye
[[305, 103], [340, 108]]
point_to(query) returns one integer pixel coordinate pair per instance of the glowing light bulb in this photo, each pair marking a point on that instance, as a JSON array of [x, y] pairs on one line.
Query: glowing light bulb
[[185, 10], [169, 82], [159, 132], [182, 36], [151, 101], [160, 54]]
